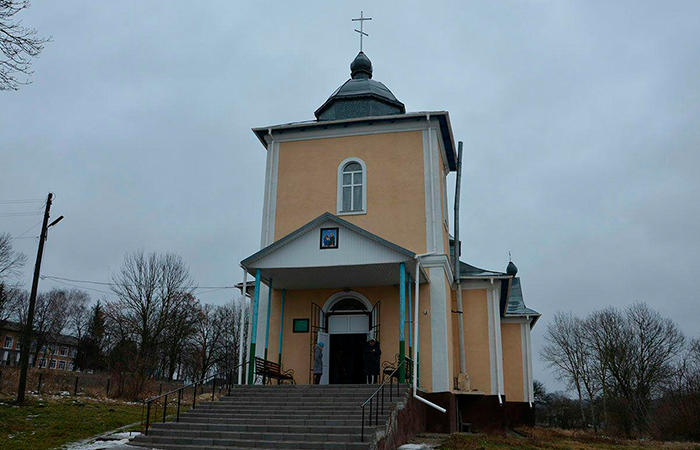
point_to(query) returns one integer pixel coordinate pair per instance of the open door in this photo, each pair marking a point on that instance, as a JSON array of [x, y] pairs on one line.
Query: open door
[[318, 325], [325, 338], [374, 323]]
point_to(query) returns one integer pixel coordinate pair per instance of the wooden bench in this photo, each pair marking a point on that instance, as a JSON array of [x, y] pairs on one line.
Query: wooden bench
[[268, 370]]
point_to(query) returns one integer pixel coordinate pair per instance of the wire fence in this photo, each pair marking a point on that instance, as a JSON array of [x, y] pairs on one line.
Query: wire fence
[[98, 385]]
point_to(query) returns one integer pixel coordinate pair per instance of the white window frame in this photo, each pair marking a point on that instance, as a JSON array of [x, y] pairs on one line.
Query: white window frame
[[52, 364], [339, 209], [11, 340], [64, 351], [61, 363], [42, 363]]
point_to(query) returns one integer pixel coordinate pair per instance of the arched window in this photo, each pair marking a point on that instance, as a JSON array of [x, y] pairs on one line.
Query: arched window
[[352, 187], [348, 304]]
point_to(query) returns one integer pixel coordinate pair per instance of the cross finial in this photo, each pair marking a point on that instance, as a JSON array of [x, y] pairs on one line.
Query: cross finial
[[361, 19]]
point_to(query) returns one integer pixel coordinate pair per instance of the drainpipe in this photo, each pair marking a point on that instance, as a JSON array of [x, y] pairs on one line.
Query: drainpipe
[[460, 310], [415, 337]]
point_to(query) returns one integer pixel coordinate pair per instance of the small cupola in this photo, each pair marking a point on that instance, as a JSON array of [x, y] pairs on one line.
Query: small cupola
[[360, 96], [511, 270]]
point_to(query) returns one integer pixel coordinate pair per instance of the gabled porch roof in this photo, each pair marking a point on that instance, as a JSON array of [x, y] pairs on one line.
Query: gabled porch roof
[[361, 258]]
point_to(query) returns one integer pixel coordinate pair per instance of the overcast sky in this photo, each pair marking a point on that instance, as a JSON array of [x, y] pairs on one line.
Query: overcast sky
[[580, 122]]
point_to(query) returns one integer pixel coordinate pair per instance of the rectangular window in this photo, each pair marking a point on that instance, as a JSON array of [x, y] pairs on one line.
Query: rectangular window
[[70, 366], [42, 363], [61, 365], [357, 198], [64, 351], [8, 342], [18, 346], [52, 364]]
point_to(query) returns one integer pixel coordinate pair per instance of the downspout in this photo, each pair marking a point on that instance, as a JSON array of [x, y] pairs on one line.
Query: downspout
[[415, 337], [460, 310]]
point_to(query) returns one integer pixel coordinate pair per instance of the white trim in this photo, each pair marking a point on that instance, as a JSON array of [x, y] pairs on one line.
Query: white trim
[[499, 343], [439, 260], [321, 133], [523, 352], [270, 195], [492, 342], [438, 330], [472, 284], [531, 388], [429, 245], [333, 299], [339, 198], [514, 320], [495, 343]]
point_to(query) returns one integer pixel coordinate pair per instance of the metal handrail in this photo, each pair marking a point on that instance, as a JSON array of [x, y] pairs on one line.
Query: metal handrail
[[181, 390], [376, 393]]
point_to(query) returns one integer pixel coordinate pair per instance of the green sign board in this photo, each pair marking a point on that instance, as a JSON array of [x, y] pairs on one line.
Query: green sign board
[[301, 326]]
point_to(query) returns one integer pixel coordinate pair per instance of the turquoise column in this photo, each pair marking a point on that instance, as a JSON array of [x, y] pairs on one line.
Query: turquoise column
[[279, 356], [254, 325], [402, 323], [410, 319], [269, 308]]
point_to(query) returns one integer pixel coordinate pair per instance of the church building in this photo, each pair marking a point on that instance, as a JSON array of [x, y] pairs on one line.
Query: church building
[[356, 245]]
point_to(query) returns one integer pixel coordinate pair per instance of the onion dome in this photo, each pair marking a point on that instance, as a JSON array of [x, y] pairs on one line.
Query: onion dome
[[360, 96], [511, 270]]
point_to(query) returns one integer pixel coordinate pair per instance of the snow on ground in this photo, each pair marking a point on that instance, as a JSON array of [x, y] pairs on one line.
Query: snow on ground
[[112, 441]]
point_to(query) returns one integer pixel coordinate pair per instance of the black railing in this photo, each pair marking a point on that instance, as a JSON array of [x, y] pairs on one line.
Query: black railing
[[227, 375], [376, 400]]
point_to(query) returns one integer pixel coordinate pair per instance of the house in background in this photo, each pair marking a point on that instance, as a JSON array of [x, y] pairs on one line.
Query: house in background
[[57, 354], [355, 231]]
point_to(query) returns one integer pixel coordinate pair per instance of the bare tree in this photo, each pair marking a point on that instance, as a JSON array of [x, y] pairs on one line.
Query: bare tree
[[18, 44], [206, 339], [181, 327], [569, 354], [150, 290], [11, 261], [50, 319], [78, 311]]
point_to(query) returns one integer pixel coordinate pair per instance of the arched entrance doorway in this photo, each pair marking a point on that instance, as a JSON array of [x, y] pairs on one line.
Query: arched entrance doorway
[[348, 321]]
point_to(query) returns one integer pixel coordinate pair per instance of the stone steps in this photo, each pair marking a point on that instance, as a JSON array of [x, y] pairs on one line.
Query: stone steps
[[272, 417], [266, 428]]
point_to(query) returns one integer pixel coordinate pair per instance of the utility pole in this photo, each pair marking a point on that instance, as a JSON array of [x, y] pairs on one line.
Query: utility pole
[[460, 309], [29, 326]]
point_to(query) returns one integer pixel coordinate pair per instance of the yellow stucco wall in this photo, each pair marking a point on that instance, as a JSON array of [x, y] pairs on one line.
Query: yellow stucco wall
[[476, 331], [308, 178], [512, 361], [296, 346]]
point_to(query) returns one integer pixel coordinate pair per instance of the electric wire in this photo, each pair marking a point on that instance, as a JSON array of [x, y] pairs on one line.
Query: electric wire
[[102, 283]]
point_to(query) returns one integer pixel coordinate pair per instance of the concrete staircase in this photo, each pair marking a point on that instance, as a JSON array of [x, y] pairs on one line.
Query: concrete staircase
[[273, 417]]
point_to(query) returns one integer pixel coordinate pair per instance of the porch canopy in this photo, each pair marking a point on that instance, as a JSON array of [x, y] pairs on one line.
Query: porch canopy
[[328, 253]]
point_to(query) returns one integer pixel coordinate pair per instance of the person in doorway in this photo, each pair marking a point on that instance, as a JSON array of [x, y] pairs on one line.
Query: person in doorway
[[318, 363], [372, 355]]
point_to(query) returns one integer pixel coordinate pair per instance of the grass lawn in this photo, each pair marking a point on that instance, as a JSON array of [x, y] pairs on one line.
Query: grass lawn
[[50, 422], [541, 438]]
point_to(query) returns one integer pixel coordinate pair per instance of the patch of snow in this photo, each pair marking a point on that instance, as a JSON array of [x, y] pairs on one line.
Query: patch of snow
[[414, 447], [103, 442]]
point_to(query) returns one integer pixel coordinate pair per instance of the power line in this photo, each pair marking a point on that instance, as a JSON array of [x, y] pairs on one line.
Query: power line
[[20, 214], [102, 283], [15, 202], [82, 287], [28, 230]]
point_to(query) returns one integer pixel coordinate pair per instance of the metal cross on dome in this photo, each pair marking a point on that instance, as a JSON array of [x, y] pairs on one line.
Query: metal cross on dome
[[361, 19]]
